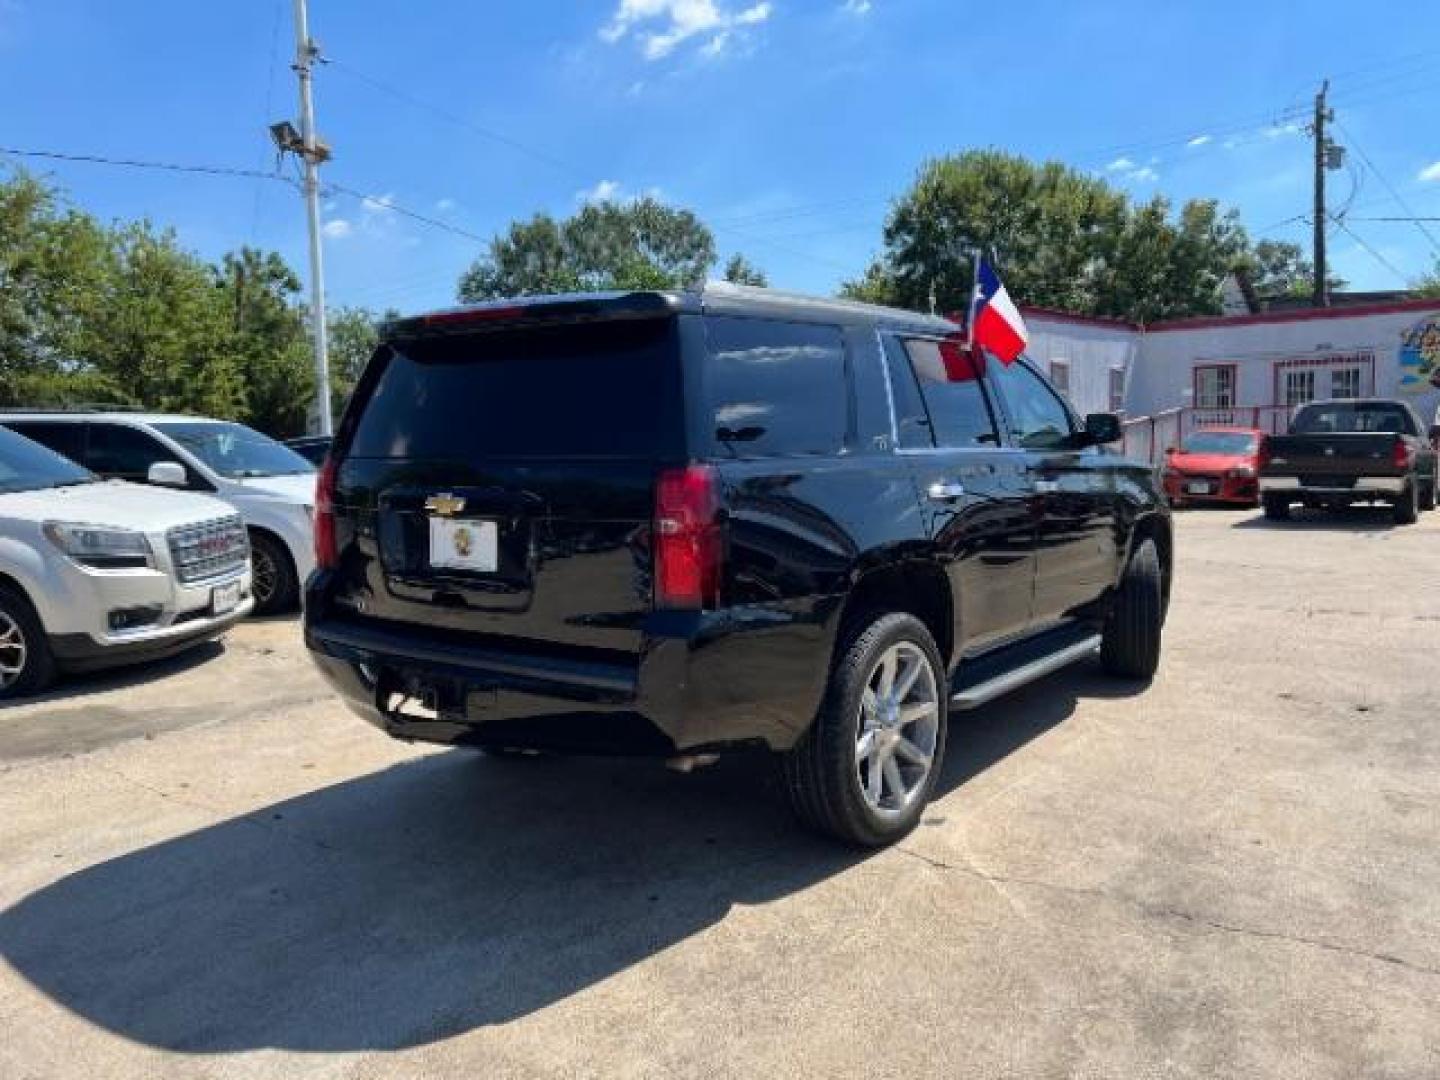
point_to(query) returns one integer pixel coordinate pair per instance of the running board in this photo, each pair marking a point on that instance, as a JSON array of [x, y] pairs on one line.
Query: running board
[[972, 697]]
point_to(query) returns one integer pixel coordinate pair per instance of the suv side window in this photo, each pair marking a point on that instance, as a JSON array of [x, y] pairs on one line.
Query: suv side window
[[912, 421], [959, 409], [775, 388], [125, 452], [1039, 420], [67, 440]]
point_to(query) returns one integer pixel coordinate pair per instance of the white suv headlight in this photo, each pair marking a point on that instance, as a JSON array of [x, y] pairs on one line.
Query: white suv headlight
[[100, 547]]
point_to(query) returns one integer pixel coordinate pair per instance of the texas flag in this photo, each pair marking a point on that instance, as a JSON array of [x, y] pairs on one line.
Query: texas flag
[[995, 322]]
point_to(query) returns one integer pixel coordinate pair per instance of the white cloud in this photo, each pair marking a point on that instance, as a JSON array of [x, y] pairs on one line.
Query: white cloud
[[444, 206], [1129, 170], [1430, 174], [856, 7], [604, 191], [1278, 130], [337, 229], [671, 23], [379, 204], [1198, 141]]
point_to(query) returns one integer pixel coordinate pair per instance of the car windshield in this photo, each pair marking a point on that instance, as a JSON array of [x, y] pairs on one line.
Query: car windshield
[[1220, 442], [28, 466], [235, 450], [1349, 416]]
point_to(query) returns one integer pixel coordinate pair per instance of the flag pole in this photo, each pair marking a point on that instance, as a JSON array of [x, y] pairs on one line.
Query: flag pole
[[974, 296]]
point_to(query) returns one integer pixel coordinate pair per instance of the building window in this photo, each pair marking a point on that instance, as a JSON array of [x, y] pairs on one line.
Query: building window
[[1345, 382], [1215, 386], [1299, 387], [1117, 390], [1060, 376]]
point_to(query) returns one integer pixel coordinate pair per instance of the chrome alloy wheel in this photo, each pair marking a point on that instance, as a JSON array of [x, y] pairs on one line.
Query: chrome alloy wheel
[[13, 651], [898, 726]]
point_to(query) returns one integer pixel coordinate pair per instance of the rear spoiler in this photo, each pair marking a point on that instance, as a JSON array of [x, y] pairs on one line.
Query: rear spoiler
[[547, 310]]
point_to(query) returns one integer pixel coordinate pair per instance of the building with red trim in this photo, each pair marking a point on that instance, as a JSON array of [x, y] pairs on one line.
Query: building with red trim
[[1243, 369]]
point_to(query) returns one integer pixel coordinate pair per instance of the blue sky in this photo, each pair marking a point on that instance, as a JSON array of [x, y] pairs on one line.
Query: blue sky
[[787, 124]]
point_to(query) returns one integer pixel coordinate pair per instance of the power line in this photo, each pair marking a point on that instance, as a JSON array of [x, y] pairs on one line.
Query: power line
[[1434, 244], [384, 202], [1407, 219], [1373, 253], [136, 163], [445, 114]]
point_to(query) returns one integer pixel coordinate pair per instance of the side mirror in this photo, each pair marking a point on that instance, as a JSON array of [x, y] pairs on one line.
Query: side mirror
[[1102, 428], [167, 474], [1171, 450]]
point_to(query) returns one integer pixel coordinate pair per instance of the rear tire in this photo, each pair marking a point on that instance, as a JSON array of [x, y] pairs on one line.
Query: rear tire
[[274, 581], [1277, 507], [26, 663], [1407, 507], [1427, 496], [864, 773], [1130, 648]]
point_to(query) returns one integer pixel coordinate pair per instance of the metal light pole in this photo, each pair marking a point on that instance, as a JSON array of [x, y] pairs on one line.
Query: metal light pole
[[310, 155]]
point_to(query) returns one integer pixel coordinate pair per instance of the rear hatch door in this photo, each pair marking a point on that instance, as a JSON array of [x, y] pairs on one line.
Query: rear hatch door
[[498, 482]]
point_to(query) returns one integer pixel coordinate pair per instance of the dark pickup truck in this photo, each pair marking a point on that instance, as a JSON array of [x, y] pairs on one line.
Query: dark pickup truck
[[683, 523], [1350, 451]]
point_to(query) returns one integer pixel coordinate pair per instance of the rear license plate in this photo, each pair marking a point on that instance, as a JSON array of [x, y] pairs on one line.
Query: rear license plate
[[1198, 487], [225, 598], [460, 544]]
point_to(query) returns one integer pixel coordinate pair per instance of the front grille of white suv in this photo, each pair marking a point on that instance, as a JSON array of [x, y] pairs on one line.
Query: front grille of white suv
[[208, 549]]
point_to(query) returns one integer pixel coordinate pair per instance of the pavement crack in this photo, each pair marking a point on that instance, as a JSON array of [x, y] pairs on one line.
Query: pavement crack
[[1151, 911]]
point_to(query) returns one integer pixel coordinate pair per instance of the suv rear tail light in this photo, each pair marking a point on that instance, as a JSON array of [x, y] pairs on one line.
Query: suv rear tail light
[[327, 554], [1402, 457], [687, 544]]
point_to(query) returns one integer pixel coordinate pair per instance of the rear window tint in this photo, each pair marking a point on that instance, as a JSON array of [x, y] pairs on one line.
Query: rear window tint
[[775, 388], [597, 390], [1349, 417]]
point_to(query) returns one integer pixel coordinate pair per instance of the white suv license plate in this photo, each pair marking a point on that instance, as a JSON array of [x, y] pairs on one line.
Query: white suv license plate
[[464, 544], [225, 598], [1198, 487]]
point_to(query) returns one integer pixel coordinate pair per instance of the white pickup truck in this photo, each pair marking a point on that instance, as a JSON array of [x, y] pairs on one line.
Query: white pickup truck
[[95, 573]]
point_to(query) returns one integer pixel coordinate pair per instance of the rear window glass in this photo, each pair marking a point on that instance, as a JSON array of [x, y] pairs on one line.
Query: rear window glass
[[776, 388], [596, 390], [950, 382], [1345, 416]]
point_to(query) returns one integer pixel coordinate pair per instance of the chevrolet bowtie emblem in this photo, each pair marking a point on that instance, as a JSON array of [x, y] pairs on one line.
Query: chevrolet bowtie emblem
[[445, 505]]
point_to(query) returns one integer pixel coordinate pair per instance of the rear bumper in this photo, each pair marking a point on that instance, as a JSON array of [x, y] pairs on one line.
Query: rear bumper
[[1225, 489], [1365, 487], [701, 682]]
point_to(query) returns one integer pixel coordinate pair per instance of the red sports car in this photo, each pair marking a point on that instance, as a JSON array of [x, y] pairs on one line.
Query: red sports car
[[1215, 465]]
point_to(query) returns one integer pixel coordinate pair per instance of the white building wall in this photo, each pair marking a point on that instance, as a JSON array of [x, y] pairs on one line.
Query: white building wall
[[1164, 373], [1091, 351]]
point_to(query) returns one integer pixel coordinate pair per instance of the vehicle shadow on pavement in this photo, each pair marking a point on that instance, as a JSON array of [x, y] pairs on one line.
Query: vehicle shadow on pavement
[[1355, 519], [439, 895], [84, 684]]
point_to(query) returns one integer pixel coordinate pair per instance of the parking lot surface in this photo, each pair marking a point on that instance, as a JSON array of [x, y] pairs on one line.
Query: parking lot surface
[[212, 870]]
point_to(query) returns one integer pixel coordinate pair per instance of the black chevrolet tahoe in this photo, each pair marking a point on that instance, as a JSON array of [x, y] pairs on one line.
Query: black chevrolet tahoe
[[682, 523]]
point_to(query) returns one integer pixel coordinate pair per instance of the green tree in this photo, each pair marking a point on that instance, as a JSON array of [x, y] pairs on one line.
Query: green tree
[[1428, 285], [1064, 239], [270, 342], [1279, 268], [636, 245], [354, 333], [740, 271]]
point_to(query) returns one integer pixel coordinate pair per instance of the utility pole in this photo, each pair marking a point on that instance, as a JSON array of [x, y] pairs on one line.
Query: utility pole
[[311, 154], [1321, 295]]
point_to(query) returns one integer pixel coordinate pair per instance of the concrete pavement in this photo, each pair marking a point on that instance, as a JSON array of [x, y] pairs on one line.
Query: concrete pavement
[[212, 870]]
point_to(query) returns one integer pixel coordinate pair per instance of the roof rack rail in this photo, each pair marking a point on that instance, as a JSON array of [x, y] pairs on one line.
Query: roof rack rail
[[87, 407]]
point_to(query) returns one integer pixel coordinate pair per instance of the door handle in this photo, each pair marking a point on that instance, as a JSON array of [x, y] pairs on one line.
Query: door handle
[[945, 490], [1047, 487]]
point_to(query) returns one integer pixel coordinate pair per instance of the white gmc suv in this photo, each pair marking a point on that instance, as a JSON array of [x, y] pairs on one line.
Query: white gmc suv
[[272, 486], [95, 573]]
